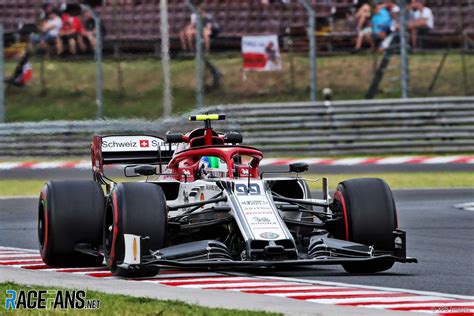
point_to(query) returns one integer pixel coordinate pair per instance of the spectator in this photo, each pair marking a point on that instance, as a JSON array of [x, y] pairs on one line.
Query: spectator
[[210, 28], [49, 29], [421, 21], [89, 28], [380, 27], [363, 24], [71, 34], [394, 11]]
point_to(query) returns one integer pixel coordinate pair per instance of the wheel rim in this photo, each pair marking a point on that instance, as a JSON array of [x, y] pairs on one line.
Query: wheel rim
[[108, 232], [41, 225]]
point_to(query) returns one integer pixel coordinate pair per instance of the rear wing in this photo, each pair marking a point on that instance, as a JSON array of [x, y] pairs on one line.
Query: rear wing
[[129, 149]]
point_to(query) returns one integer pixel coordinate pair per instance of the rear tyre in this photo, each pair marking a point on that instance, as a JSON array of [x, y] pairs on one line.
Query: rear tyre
[[370, 218], [134, 208], [70, 213]]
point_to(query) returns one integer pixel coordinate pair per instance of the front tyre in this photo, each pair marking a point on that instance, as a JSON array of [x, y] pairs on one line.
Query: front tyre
[[136, 208], [370, 218]]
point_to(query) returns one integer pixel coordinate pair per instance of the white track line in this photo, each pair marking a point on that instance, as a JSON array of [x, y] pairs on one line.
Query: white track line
[[421, 304], [6, 261], [99, 269], [173, 276], [285, 288], [443, 160], [18, 249], [253, 285], [17, 255], [361, 300], [394, 160], [227, 284], [21, 265], [9, 165], [348, 161], [222, 278], [341, 293]]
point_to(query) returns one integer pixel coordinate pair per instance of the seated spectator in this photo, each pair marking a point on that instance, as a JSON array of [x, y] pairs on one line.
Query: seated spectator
[[210, 28], [89, 28], [421, 21], [363, 24], [381, 23], [394, 11], [71, 34], [49, 29]]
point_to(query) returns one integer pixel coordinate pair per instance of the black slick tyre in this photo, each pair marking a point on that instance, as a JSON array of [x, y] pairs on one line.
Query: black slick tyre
[[369, 217], [136, 208], [70, 213]]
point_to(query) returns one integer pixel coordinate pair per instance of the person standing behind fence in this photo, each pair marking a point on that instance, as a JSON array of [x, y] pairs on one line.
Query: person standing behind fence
[[421, 21], [210, 29]]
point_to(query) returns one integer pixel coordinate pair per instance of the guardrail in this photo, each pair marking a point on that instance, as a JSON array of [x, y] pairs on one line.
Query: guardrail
[[432, 125], [394, 126]]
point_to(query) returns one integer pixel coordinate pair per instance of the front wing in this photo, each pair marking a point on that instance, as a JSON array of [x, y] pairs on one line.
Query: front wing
[[212, 254]]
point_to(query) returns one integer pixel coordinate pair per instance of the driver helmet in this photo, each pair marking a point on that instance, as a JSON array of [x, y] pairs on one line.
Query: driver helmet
[[212, 167]]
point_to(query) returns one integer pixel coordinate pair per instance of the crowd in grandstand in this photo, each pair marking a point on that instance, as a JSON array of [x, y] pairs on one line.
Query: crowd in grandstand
[[59, 29], [377, 25], [340, 23]]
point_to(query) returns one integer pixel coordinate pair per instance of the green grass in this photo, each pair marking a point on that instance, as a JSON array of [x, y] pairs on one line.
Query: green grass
[[412, 180], [124, 305], [133, 88], [20, 187]]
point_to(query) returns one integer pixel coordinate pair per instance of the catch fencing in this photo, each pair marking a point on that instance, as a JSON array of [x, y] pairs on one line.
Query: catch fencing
[[421, 126]]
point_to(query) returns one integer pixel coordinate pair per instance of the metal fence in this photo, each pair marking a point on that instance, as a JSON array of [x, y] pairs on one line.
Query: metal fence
[[436, 125], [131, 82]]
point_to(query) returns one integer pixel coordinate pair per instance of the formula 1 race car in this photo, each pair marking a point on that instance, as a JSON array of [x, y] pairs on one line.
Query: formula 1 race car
[[205, 204]]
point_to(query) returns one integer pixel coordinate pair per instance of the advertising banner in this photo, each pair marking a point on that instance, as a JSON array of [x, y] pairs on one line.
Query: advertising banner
[[261, 53]]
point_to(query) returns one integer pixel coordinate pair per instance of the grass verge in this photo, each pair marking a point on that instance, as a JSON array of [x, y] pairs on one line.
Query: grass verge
[[124, 305], [412, 180]]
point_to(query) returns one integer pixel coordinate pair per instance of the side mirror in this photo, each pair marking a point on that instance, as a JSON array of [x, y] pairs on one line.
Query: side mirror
[[298, 167], [233, 138], [174, 138], [145, 170]]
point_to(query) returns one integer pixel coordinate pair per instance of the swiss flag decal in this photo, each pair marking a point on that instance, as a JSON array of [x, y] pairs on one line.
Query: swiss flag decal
[[144, 143]]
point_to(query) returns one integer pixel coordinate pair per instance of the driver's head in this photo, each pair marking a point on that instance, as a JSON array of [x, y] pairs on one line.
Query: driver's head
[[212, 167]]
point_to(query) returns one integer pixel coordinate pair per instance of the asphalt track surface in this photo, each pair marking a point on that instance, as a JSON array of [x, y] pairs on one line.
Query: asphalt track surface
[[438, 234]]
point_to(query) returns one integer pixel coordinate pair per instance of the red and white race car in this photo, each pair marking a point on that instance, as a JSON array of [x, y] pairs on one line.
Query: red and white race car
[[205, 203]]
